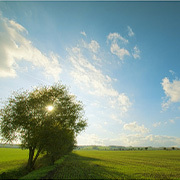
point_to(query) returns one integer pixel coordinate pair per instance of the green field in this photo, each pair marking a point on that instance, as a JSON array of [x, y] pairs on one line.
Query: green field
[[11, 158], [96, 164], [120, 165]]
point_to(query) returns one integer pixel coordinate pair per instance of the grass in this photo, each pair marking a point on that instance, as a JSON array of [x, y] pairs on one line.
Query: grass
[[120, 165], [12, 158], [13, 165], [94, 165], [44, 171]]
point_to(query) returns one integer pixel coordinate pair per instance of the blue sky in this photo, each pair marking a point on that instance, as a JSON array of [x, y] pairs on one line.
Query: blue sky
[[121, 59]]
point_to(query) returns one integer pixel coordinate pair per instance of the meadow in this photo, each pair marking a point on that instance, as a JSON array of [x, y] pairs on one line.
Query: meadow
[[96, 164], [120, 165], [13, 163], [12, 158]]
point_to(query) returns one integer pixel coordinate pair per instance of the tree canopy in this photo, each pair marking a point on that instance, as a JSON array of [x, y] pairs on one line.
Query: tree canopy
[[47, 118]]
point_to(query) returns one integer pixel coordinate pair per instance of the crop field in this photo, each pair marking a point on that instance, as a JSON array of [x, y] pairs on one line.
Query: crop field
[[11, 158], [119, 165]]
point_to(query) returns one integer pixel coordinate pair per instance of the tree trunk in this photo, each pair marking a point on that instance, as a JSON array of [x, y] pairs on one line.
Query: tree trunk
[[30, 160], [37, 155]]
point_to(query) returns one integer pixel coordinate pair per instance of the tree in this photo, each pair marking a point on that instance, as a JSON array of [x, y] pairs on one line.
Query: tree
[[57, 141], [40, 117]]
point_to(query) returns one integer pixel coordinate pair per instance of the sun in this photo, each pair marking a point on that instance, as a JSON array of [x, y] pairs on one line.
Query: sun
[[50, 108]]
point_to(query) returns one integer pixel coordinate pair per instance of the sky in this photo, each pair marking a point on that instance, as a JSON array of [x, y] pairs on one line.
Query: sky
[[121, 59]]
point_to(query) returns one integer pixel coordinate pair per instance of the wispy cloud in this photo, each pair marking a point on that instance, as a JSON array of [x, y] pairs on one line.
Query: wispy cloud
[[93, 46], [130, 31], [172, 72], [119, 46], [83, 33], [95, 82], [172, 91], [114, 37], [87, 74], [136, 53], [120, 52], [122, 101], [14, 47], [170, 121], [115, 49], [134, 127], [116, 118], [157, 124]]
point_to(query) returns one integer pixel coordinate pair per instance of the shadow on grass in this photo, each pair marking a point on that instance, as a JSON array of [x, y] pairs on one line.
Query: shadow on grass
[[79, 167], [22, 171], [14, 173], [43, 171]]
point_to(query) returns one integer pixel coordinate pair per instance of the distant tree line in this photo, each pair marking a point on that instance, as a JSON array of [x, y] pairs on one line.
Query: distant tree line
[[123, 148]]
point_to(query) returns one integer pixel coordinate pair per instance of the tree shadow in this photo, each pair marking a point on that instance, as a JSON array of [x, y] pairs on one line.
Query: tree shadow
[[80, 167], [14, 173], [21, 171]]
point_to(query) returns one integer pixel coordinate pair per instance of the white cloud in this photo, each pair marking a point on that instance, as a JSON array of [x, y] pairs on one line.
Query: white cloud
[[89, 139], [120, 52], [14, 47], [136, 53], [130, 140], [165, 105], [172, 72], [172, 91], [83, 33], [157, 124], [116, 118], [134, 127], [172, 121], [114, 37], [94, 57], [117, 45], [17, 26], [93, 46], [84, 72], [115, 49], [130, 31], [122, 101], [149, 140], [95, 82]]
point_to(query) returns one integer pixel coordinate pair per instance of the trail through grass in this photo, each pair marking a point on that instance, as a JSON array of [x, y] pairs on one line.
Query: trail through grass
[[120, 165]]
